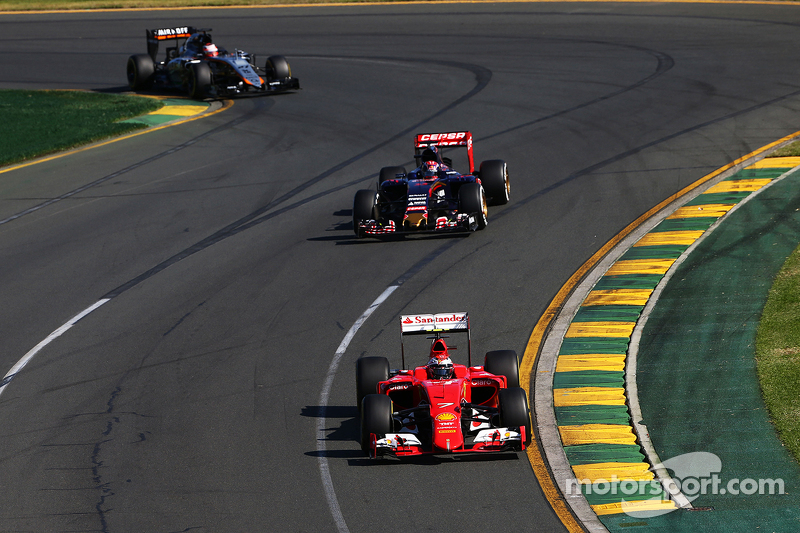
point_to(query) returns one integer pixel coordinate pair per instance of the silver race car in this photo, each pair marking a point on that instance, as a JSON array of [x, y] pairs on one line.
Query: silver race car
[[194, 64]]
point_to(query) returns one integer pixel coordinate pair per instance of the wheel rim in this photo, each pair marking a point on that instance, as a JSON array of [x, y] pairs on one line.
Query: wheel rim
[[507, 182]]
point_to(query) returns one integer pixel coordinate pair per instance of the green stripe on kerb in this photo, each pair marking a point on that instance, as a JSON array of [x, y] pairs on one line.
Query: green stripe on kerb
[[588, 378], [608, 313], [606, 345], [750, 173], [686, 224], [665, 251], [628, 281], [604, 453], [591, 414]]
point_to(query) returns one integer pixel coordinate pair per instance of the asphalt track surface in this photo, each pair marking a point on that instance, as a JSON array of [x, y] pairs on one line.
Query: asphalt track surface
[[193, 399]]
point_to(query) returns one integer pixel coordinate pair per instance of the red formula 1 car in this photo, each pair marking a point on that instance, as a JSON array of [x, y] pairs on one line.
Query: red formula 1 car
[[441, 407], [434, 197]]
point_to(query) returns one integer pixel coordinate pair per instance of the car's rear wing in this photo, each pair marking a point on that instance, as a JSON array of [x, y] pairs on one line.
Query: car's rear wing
[[437, 324], [447, 139], [167, 34]]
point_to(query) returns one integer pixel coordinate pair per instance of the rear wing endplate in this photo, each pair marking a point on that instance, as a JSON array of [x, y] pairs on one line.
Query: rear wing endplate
[[447, 139], [438, 323]]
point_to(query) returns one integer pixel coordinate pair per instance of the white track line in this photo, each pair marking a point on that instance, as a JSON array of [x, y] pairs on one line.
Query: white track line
[[324, 470], [50, 338]]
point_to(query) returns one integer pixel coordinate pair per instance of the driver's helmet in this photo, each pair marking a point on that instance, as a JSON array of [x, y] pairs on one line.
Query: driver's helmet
[[439, 366], [210, 50], [430, 169]]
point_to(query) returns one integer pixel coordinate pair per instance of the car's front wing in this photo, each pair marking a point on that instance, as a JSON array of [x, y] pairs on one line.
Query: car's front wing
[[463, 223], [486, 440]]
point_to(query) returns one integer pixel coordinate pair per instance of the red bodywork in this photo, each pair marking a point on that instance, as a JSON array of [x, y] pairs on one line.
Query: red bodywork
[[439, 419]]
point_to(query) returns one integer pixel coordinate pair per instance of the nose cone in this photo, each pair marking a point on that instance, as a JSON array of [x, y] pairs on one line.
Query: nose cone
[[447, 434]]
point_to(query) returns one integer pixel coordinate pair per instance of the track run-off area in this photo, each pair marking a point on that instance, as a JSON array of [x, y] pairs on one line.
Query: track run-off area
[[214, 389]]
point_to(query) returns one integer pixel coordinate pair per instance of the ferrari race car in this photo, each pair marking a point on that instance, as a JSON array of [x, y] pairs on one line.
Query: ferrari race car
[[433, 197], [201, 69], [441, 407]]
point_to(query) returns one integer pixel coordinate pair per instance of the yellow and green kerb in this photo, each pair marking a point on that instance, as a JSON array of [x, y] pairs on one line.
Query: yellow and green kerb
[[589, 394]]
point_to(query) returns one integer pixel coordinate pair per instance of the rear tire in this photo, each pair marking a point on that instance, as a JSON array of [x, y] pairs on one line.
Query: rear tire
[[199, 80], [514, 412], [277, 68], [472, 200], [494, 178], [369, 372], [364, 208], [376, 417], [140, 70], [389, 173], [503, 363]]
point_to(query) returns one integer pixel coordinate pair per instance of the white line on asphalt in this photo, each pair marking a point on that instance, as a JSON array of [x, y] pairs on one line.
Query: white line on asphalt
[[50, 338], [324, 470]]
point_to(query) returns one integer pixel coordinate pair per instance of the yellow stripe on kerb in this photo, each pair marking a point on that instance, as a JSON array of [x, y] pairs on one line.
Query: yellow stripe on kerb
[[596, 434], [640, 266], [633, 507], [695, 211], [180, 110], [618, 297], [661, 238], [589, 396], [590, 361], [777, 162], [605, 472], [600, 329], [738, 185]]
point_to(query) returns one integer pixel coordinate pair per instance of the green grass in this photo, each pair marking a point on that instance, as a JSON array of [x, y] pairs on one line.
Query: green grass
[[37, 123], [790, 150], [778, 353]]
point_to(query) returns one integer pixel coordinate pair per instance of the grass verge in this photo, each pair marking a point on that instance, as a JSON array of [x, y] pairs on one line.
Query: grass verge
[[778, 353], [790, 150], [37, 123]]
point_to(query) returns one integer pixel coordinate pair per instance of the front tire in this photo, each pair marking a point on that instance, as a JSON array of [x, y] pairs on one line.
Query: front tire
[[140, 70], [472, 200], [503, 363], [514, 412], [199, 80], [365, 206], [376, 417], [494, 178], [369, 372], [277, 68]]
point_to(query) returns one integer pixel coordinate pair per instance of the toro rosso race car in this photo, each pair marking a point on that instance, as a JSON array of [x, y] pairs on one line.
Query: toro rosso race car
[[433, 197], [195, 65], [441, 407]]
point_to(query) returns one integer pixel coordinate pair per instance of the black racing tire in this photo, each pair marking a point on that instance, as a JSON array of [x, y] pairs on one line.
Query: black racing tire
[[199, 80], [472, 200], [365, 206], [494, 178], [277, 68], [503, 363], [376, 417], [140, 70], [369, 372], [389, 173], [514, 411]]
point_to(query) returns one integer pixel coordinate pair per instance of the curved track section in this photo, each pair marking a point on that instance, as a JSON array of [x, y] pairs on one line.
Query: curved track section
[[197, 397]]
